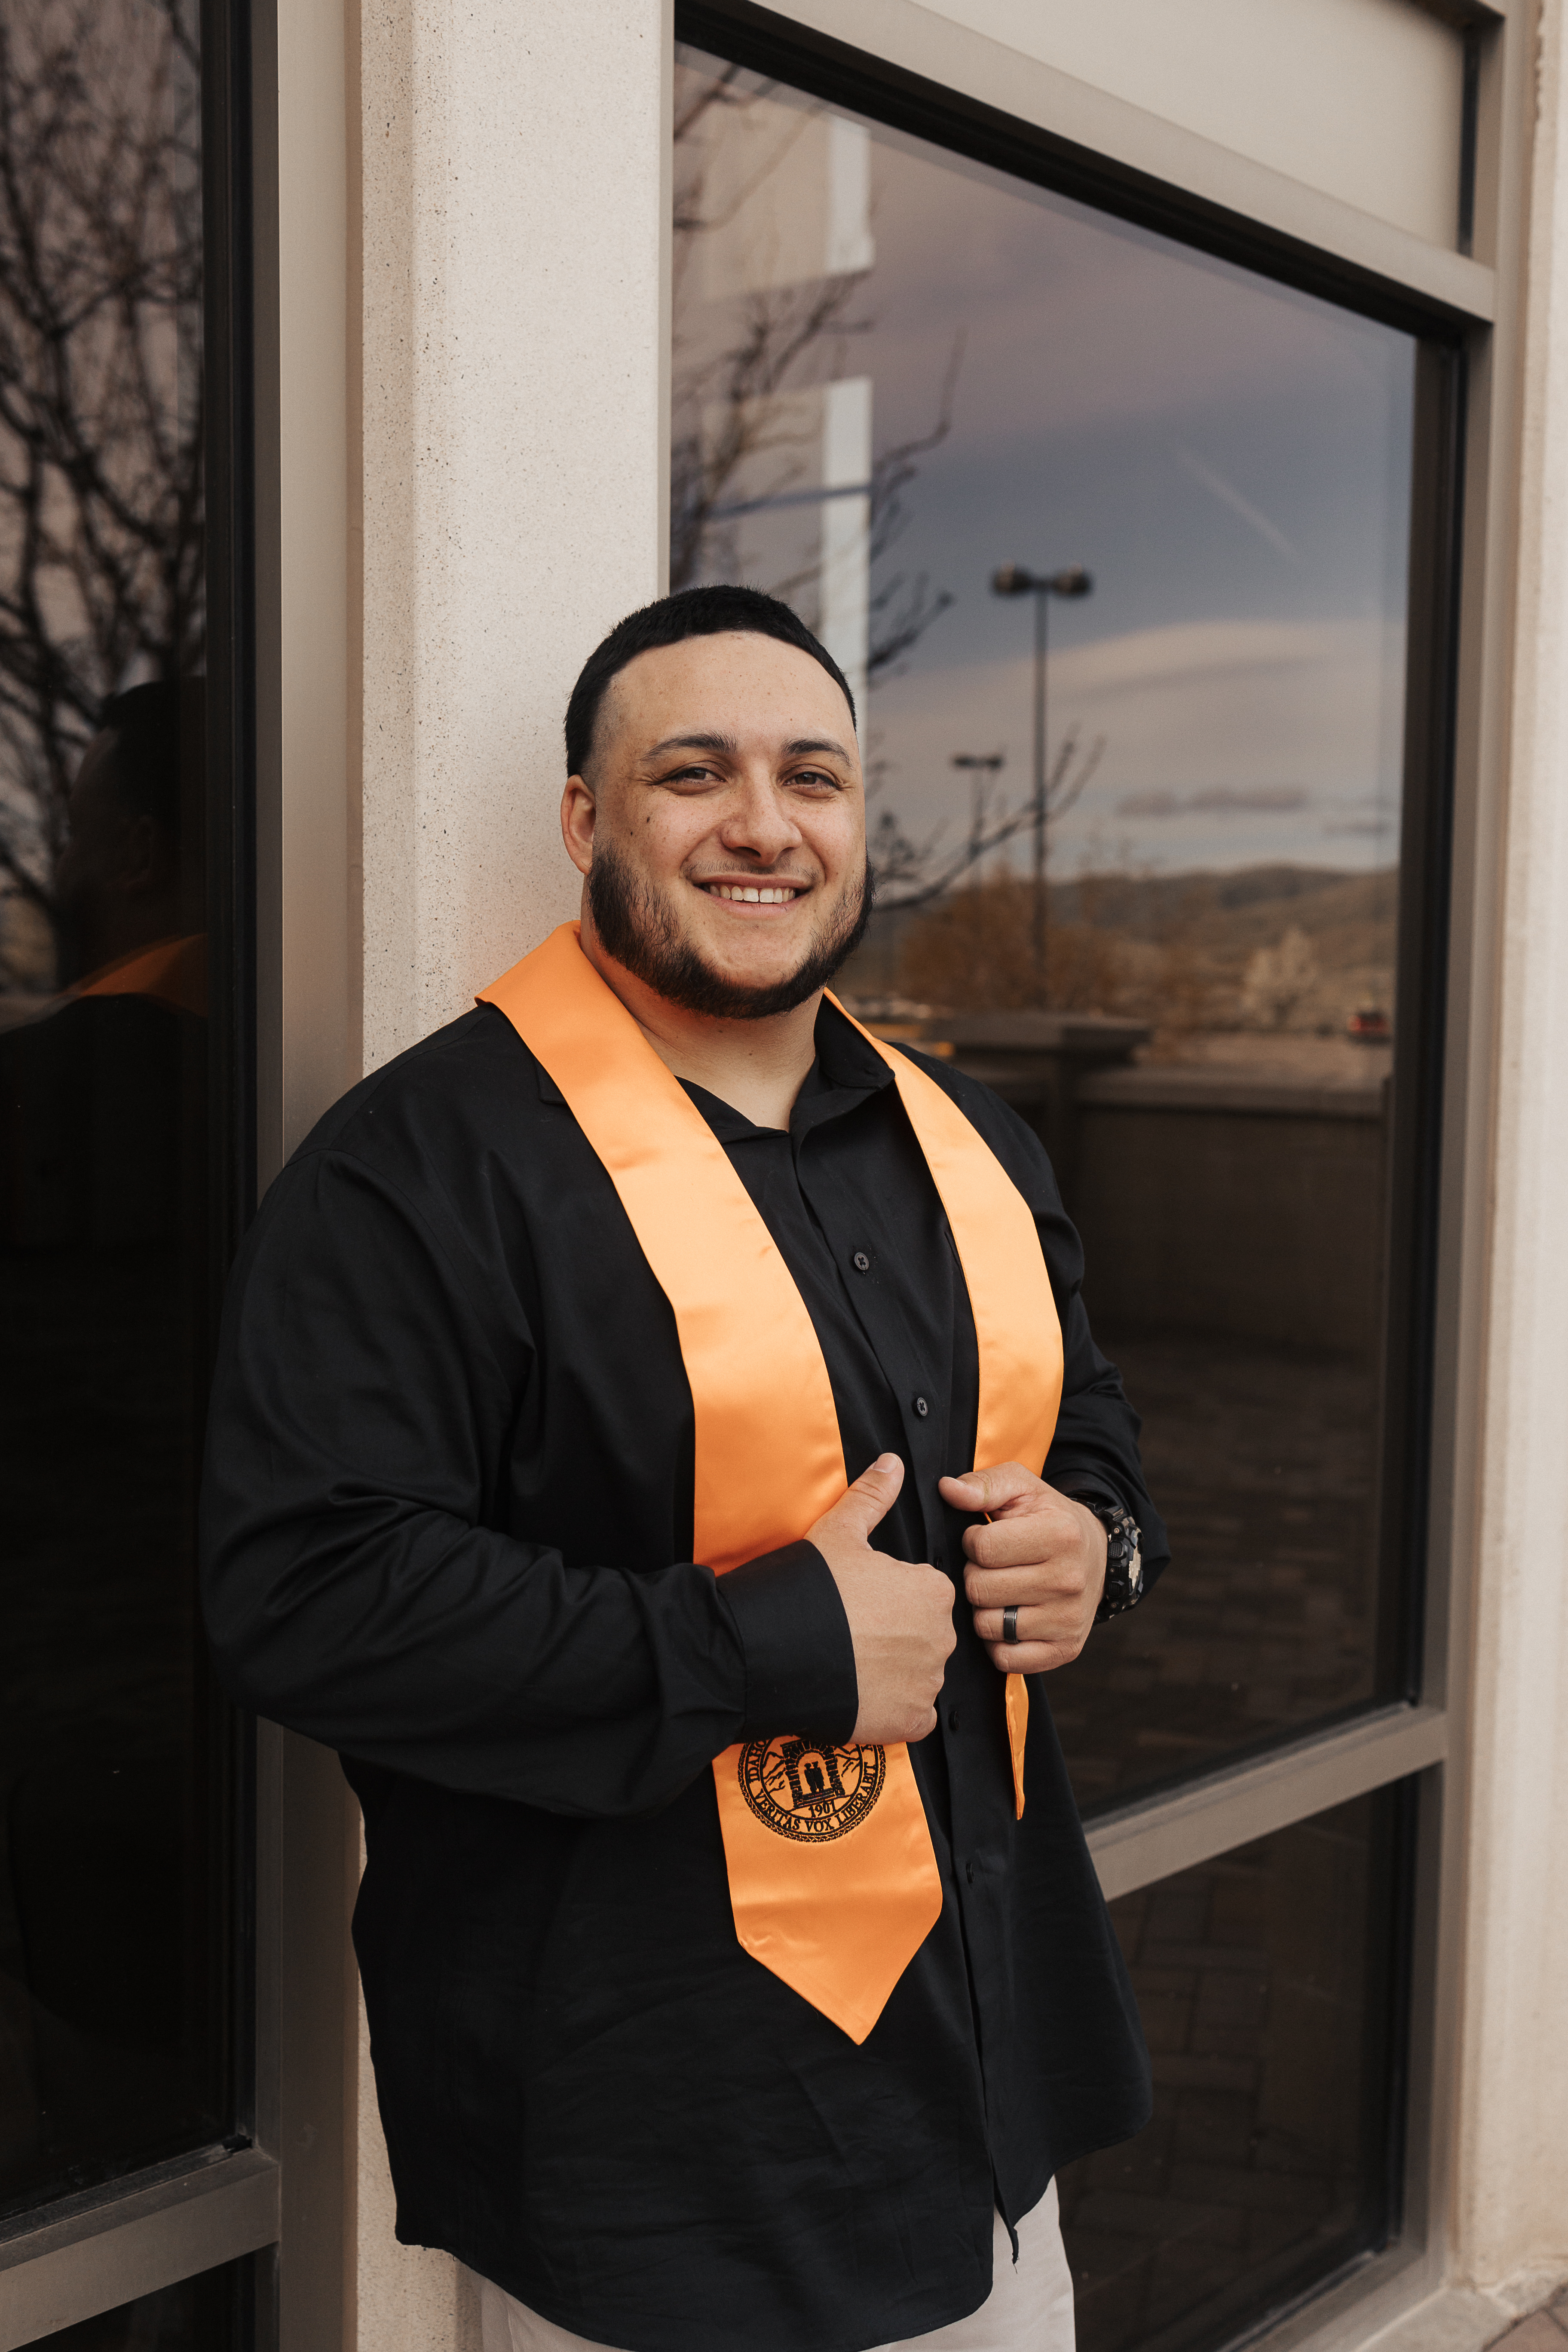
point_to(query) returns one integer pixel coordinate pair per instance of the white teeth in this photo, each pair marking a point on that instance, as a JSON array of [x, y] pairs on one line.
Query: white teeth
[[752, 896]]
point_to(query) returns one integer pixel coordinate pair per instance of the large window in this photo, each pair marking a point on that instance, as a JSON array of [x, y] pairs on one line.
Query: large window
[[122, 2046], [1130, 554]]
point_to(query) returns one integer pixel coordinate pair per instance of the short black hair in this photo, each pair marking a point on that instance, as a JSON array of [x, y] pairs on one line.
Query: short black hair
[[689, 612], [159, 750]]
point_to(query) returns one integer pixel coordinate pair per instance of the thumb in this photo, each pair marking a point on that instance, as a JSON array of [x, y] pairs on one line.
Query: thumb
[[992, 1490], [861, 1507]]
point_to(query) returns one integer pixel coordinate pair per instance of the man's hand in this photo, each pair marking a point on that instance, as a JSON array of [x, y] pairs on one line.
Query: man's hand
[[901, 1616], [1043, 1554]]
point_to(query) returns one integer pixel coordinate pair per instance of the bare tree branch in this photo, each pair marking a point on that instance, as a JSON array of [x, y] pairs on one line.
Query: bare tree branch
[[101, 527], [898, 864], [739, 407]]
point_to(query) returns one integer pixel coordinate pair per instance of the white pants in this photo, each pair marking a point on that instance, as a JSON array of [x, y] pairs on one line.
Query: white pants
[[1028, 2309]]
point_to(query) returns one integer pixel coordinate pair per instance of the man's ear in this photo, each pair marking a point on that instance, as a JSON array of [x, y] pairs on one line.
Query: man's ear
[[579, 814]]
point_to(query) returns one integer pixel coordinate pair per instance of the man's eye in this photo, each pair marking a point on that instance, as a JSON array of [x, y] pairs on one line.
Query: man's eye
[[818, 778]]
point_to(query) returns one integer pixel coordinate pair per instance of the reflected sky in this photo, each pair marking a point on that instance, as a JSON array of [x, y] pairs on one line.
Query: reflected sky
[[1230, 458]]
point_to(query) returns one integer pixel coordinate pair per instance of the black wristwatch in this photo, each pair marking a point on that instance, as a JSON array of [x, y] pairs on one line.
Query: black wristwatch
[[1123, 1558]]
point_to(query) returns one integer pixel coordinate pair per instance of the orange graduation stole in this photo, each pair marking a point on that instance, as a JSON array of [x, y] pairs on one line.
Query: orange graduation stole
[[833, 1880]]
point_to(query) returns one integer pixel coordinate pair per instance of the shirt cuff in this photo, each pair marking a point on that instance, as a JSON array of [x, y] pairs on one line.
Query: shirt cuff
[[794, 1636], [1089, 1485]]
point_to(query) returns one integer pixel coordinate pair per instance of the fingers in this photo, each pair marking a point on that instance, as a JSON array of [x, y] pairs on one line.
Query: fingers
[[886, 1728], [1054, 1624], [1033, 1658], [1013, 1543], [995, 1489], [861, 1506], [1035, 1584]]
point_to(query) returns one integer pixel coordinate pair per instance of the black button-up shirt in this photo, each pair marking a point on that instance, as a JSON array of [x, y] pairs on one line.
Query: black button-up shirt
[[446, 1527]]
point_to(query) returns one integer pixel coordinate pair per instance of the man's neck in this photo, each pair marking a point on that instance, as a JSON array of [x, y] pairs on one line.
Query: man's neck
[[758, 1068]]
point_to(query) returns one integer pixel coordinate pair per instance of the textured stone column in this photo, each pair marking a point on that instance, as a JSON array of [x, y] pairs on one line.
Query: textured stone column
[[1512, 2173], [513, 470], [512, 459]]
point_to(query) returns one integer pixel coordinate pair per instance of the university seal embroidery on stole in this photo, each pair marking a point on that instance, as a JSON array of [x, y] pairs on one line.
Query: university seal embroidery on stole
[[809, 1790]]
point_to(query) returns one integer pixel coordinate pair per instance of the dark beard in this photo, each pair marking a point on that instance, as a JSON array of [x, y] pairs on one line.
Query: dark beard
[[634, 929]]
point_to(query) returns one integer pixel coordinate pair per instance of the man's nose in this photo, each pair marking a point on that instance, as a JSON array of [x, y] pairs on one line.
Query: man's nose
[[759, 819]]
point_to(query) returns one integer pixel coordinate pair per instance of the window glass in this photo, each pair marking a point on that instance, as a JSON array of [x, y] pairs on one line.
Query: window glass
[[112, 2027], [1105, 530], [1263, 1981], [208, 2314]]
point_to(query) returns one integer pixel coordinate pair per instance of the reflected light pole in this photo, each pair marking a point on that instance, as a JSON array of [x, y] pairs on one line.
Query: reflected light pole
[[1015, 580], [980, 766]]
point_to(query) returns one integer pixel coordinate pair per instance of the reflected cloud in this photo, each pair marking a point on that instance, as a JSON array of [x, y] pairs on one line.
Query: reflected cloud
[[1276, 727], [1262, 799]]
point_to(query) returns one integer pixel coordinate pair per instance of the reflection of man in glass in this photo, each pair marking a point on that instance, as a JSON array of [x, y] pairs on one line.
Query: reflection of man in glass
[[129, 888], [102, 1190]]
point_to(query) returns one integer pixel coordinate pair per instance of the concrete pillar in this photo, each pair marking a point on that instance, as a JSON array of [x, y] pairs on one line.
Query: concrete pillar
[[513, 455], [1512, 2218], [510, 396]]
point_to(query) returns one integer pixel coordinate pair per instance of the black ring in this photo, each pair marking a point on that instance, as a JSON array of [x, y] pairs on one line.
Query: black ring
[[1009, 1624]]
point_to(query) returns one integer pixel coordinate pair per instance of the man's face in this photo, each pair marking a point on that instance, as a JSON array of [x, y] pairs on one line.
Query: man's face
[[722, 824]]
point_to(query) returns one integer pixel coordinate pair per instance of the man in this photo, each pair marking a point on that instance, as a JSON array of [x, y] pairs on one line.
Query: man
[[736, 1971]]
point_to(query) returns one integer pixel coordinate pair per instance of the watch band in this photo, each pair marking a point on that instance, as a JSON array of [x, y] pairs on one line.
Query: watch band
[[1123, 1556]]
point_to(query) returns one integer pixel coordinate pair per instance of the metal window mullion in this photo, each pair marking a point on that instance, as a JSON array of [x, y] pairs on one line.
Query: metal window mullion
[[1158, 1836], [945, 82], [113, 2249]]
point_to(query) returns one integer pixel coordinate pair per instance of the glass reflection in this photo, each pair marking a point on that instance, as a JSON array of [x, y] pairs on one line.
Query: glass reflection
[[1263, 1983], [198, 2315], [111, 2027], [898, 372]]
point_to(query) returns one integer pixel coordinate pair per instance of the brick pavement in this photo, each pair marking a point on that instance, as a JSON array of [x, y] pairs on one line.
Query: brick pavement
[[1260, 2170], [1263, 1461], [1260, 1976]]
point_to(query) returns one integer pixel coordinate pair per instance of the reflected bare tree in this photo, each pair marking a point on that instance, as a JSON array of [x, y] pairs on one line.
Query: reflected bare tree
[[743, 440], [101, 388], [909, 874], [734, 408]]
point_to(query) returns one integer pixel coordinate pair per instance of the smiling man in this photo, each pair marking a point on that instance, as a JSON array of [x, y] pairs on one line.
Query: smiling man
[[659, 1442]]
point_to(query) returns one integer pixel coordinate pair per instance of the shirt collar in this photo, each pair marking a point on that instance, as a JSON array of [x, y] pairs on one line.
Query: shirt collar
[[846, 1072]]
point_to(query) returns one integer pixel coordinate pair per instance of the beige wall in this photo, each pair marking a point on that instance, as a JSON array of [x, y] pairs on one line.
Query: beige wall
[[513, 456], [1512, 2188], [1271, 83], [511, 467]]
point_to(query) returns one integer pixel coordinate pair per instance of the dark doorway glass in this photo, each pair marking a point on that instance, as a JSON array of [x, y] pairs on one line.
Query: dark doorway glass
[[206, 2314], [114, 1806], [897, 371], [1268, 1983]]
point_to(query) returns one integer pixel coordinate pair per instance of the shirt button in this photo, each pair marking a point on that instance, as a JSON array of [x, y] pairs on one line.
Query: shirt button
[[969, 1872], [953, 1718], [860, 1262], [922, 1407]]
